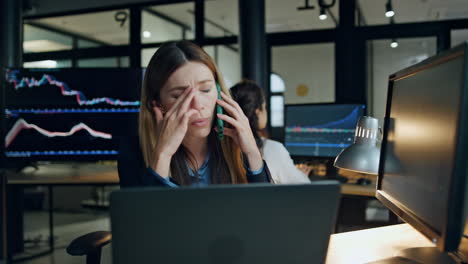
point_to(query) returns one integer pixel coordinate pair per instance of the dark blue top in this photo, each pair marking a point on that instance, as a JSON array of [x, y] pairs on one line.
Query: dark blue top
[[203, 175], [132, 170]]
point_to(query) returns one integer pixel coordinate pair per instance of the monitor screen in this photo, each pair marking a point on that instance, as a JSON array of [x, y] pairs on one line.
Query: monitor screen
[[320, 130], [69, 113], [419, 176]]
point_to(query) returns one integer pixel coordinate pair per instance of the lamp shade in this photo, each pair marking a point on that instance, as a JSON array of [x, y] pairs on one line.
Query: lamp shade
[[364, 154]]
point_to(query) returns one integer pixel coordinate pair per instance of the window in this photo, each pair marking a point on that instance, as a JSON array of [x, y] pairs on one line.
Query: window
[[162, 23], [227, 59], [48, 64], [277, 110], [87, 44], [384, 60], [277, 84], [458, 37], [146, 55], [277, 88], [221, 18], [109, 27], [104, 62], [42, 40]]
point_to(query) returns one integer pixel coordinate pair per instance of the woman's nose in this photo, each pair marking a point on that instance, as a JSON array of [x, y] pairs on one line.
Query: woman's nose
[[196, 103]]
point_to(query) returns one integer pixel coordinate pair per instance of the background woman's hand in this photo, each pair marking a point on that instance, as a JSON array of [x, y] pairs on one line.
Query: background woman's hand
[[240, 132], [306, 169]]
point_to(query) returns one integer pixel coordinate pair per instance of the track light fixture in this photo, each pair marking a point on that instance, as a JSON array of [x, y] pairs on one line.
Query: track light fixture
[[323, 14], [306, 6], [394, 43], [389, 9], [324, 7]]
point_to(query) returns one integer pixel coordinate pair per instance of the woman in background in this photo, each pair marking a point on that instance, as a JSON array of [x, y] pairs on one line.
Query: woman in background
[[251, 99]]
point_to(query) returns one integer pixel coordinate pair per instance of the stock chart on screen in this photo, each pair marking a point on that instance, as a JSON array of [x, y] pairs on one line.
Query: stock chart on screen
[[64, 113], [320, 130]]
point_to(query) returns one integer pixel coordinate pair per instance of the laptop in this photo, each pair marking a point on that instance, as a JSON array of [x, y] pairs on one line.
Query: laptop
[[226, 224]]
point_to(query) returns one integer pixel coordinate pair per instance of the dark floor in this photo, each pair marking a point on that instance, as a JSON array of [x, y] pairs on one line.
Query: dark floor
[[67, 226]]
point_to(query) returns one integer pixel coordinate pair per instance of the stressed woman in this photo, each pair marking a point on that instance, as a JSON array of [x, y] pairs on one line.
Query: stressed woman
[[177, 124]]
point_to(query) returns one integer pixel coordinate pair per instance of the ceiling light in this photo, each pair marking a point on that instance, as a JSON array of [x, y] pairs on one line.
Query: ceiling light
[[146, 34], [394, 43], [322, 15], [389, 9]]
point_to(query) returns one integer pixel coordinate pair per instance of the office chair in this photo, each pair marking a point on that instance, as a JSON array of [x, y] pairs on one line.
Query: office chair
[[129, 165]]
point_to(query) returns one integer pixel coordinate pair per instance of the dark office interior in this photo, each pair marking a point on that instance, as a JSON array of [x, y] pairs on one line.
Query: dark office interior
[[71, 83]]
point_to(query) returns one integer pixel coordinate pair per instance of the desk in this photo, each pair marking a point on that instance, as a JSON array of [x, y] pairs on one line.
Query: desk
[[65, 174], [373, 244], [358, 190], [52, 175], [353, 206]]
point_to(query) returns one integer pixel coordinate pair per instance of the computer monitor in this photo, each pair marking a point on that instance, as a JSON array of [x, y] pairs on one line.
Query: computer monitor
[[69, 114], [423, 163], [320, 130]]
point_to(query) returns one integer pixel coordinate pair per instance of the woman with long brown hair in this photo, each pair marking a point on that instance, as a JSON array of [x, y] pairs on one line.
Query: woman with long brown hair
[[177, 124], [251, 99]]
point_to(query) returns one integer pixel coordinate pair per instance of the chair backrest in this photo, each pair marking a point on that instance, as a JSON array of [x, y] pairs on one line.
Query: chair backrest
[[130, 164]]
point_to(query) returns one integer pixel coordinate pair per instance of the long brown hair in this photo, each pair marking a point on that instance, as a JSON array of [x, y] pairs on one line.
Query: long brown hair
[[250, 98], [225, 156]]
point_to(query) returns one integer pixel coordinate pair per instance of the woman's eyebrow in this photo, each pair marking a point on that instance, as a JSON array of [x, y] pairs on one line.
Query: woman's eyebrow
[[205, 81], [183, 87], [178, 88]]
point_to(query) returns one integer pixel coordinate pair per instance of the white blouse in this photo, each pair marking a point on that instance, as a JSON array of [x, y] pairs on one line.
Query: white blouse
[[281, 165]]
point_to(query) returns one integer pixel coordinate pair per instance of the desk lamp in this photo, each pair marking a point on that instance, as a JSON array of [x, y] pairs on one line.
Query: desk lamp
[[364, 154]]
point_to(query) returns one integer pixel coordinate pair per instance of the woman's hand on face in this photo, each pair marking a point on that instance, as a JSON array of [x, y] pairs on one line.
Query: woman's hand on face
[[241, 132], [172, 126]]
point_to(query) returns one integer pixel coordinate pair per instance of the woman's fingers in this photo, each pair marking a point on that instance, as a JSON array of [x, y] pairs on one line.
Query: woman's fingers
[[231, 102], [182, 98], [187, 116], [158, 114], [184, 106], [230, 109], [231, 121], [230, 133]]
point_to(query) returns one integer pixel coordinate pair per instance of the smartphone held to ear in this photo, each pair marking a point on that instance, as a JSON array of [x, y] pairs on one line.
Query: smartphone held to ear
[[219, 110]]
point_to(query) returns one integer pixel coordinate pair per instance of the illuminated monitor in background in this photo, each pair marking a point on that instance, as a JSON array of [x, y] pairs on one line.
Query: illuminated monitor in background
[[320, 130], [68, 114], [423, 163]]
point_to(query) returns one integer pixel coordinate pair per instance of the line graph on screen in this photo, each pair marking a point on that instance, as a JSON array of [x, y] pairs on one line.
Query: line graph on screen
[[65, 90], [21, 125]]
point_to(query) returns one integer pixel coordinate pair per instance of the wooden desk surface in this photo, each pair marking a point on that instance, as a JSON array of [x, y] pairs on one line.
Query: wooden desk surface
[[358, 190], [84, 174], [66, 174], [373, 244]]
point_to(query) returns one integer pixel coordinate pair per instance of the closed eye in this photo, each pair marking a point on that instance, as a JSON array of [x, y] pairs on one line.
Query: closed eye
[[206, 88], [176, 95]]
